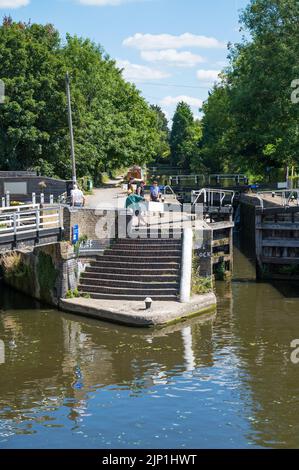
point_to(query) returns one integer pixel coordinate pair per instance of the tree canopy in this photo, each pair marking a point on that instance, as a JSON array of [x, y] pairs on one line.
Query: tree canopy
[[113, 125], [250, 123], [184, 137]]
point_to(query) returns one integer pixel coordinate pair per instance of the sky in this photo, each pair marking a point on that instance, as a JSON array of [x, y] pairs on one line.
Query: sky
[[172, 50]]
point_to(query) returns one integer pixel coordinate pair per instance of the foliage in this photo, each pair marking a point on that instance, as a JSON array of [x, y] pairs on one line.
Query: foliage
[[16, 272], [113, 125], [46, 275], [250, 122], [82, 239], [184, 138], [163, 151], [200, 285], [220, 271]]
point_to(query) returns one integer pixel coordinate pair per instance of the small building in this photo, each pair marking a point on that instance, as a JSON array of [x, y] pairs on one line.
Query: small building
[[21, 185]]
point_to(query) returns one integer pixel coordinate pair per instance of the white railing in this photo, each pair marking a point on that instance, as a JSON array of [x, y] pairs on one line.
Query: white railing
[[168, 187], [287, 196], [178, 178], [32, 220], [213, 197], [236, 177]]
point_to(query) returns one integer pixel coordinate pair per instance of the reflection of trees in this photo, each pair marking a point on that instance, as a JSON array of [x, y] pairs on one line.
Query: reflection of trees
[[59, 358], [264, 327]]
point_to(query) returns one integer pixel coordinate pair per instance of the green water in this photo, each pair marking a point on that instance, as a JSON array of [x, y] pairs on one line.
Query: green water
[[222, 381]]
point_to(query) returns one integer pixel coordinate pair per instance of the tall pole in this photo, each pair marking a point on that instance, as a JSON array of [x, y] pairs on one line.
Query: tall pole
[[70, 119]]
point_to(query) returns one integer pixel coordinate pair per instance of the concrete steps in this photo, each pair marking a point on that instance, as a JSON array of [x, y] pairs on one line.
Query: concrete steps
[[142, 291], [135, 269], [128, 283], [134, 297], [130, 277]]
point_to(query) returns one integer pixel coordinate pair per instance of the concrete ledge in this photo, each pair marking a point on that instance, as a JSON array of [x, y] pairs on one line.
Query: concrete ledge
[[134, 314]]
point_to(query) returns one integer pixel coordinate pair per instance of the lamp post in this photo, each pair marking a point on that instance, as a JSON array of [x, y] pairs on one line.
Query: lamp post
[[70, 120]]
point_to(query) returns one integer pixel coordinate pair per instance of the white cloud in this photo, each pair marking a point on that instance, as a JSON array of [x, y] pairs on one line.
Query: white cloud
[[140, 73], [13, 3], [173, 57], [173, 100], [167, 41], [208, 76]]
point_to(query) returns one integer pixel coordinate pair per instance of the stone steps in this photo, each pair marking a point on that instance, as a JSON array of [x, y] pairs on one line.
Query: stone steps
[[173, 277], [134, 284], [147, 248], [141, 290], [134, 297], [140, 263], [145, 256], [125, 271], [135, 269], [149, 242]]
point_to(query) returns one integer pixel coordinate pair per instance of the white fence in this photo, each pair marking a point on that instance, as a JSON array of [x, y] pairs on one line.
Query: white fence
[[285, 197], [213, 197], [24, 220]]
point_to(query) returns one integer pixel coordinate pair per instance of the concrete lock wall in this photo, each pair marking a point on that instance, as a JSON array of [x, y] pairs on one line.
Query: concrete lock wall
[[46, 273]]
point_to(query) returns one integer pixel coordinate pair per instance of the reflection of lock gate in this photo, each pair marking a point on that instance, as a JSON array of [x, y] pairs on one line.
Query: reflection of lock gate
[[2, 352], [2, 92]]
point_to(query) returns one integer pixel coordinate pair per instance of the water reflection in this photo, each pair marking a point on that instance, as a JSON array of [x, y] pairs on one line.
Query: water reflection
[[223, 381]]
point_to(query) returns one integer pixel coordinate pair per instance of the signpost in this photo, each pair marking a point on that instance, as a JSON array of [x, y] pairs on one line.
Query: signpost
[[75, 234]]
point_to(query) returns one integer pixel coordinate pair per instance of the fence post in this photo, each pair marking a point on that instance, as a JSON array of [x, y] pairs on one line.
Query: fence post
[[7, 199], [37, 217], [42, 198], [33, 199], [51, 199]]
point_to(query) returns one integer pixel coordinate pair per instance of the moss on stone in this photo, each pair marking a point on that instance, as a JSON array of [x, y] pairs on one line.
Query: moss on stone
[[47, 276]]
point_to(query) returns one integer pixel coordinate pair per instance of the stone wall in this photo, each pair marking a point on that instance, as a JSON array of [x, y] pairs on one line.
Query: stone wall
[[100, 225], [46, 273]]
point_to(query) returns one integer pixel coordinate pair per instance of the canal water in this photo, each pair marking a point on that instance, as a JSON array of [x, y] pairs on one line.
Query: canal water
[[223, 381]]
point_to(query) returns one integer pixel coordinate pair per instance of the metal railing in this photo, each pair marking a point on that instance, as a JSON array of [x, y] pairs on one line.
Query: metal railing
[[287, 196], [32, 220], [213, 197], [168, 187], [236, 177]]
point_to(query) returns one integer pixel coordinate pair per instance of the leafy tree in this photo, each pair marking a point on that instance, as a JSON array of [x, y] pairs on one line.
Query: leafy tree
[[162, 125], [184, 137], [250, 122]]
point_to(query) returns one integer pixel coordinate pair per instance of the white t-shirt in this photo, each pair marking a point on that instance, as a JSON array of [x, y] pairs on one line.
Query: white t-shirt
[[77, 196]]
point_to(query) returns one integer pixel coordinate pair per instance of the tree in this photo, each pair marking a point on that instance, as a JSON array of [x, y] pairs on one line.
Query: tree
[[184, 137], [113, 124], [162, 125], [258, 127]]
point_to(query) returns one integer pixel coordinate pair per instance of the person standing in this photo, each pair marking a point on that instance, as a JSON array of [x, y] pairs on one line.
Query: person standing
[[141, 189], [155, 192], [78, 199]]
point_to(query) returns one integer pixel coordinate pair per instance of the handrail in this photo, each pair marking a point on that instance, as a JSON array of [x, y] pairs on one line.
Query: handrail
[[286, 196], [209, 195], [169, 187], [19, 208]]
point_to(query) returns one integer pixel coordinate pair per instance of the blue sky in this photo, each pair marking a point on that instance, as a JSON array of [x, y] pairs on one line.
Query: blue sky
[[171, 49]]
